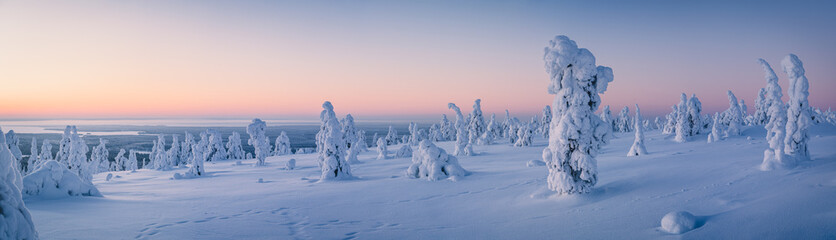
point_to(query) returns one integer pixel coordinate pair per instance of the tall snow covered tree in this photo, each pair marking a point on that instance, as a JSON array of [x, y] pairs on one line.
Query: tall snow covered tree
[[733, 116], [506, 125], [258, 139], [99, 156], [716, 129], [186, 149], [46, 151], [577, 133], [13, 142], [476, 125], [670, 120], [623, 123], [774, 157], [63, 154], [349, 130], [332, 160], [798, 110], [200, 151], [120, 160], [694, 115], [282, 145], [463, 148], [392, 136], [382, 151], [433, 163], [216, 149], [159, 157], [413, 134], [638, 143], [77, 156], [546, 120], [131, 164], [234, 148], [173, 153], [15, 220], [33, 161], [524, 135], [761, 107], [683, 126]]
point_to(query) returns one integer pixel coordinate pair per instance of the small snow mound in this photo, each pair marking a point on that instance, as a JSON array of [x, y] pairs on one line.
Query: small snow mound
[[679, 222], [53, 179], [291, 164], [109, 176], [404, 152], [535, 163], [260, 180]]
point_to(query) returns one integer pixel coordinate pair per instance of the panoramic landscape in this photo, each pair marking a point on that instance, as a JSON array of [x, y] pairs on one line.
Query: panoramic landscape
[[417, 120]]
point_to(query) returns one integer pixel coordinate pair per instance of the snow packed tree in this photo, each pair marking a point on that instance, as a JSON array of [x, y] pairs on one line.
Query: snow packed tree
[[638, 144], [382, 151], [120, 161], [506, 125], [623, 123], [577, 133], [798, 110], [606, 117], [774, 157], [258, 139], [216, 150], [490, 134], [362, 146], [433, 163], [392, 136], [349, 130], [476, 124], [13, 142], [159, 156], [448, 129], [234, 148], [671, 120], [716, 130], [761, 107], [683, 125], [33, 160], [524, 135], [77, 157], [435, 133], [733, 117], [200, 152], [15, 220], [404, 151], [332, 160], [545, 121], [463, 148], [63, 154], [413, 134], [694, 115], [131, 164], [99, 156], [282, 145], [173, 153], [46, 151], [186, 149]]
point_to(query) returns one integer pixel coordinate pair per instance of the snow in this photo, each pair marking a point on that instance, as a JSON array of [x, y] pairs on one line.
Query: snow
[[719, 183], [15, 219], [679, 222]]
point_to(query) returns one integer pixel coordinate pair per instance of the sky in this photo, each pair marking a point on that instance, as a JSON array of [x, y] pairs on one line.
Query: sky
[[390, 59]]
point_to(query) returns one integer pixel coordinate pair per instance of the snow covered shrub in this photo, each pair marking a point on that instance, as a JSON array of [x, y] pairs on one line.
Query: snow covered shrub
[[200, 151], [448, 129], [524, 135], [476, 125], [463, 147], [46, 151], [413, 135], [679, 222], [716, 129], [490, 134], [77, 156], [670, 120], [761, 106], [63, 154], [773, 157], [282, 145], [361, 141], [435, 133], [404, 151], [291, 164], [186, 150], [577, 133], [15, 220], [433, 163], [694, 115], [119, 161], [53, 179], [332, 160], [382, 152], [392, 136], [258, 139], [234, 148], [606, 117], [638, 144], [798, 109], [353, 151], [216, 150], [506, 125], [13, 142]]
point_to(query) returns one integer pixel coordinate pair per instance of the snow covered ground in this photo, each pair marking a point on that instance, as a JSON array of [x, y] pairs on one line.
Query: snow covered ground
[[502, 198]]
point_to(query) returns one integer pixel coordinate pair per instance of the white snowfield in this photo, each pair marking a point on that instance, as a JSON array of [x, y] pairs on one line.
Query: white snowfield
[[501, 198]]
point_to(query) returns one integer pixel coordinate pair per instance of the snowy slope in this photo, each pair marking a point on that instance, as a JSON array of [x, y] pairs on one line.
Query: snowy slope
[[502, 198]]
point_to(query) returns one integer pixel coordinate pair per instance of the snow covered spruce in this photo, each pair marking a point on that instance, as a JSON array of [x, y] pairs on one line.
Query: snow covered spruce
[[331, 146], [259, 140], [577, 133], [638, 144]]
